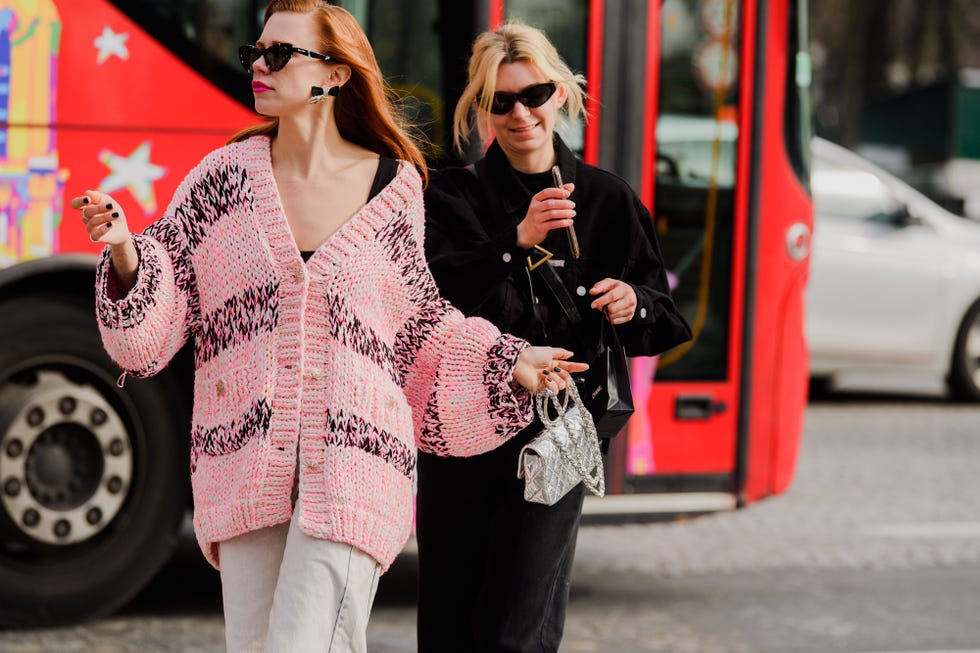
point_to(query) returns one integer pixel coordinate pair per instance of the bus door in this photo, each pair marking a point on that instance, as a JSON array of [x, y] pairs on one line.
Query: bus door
[[694, 123], [724, 170]]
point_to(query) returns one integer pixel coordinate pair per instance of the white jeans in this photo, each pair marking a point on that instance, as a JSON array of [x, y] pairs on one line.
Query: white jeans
[[284, 591]]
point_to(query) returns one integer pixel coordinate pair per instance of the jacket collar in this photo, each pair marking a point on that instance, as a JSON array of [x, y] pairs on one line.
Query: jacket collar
[[513, 195]]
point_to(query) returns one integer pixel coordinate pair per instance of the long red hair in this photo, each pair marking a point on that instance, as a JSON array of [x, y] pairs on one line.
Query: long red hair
[[365, 108]]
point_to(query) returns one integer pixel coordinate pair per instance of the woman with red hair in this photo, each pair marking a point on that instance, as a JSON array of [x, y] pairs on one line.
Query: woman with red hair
[[324, 354]]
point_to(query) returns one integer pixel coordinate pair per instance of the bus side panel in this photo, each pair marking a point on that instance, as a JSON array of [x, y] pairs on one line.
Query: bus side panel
[[791, 386], [140, 170], [777, 393], [133, 119], [126, 79]]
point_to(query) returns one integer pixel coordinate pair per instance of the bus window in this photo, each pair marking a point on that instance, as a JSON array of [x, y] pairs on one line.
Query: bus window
[[566, 25], [205, 34], [403, 44], [697, 135], [422, 54]]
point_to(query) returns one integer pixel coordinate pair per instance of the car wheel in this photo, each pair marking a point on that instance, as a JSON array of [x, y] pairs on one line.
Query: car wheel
[[964, 374], [93, 478]]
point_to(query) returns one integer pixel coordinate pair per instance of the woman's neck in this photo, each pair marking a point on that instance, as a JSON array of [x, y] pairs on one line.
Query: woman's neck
[[532, 162], [308, 148]]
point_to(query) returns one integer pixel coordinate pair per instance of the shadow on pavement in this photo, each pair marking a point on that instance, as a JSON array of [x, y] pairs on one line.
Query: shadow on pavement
[[867, 397]]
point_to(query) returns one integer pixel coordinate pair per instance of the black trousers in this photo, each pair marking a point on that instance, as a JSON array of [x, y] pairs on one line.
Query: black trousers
[[494, 570]]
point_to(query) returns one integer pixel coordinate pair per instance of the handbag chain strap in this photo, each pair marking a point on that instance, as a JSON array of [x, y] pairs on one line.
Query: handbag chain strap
[[575, 456]]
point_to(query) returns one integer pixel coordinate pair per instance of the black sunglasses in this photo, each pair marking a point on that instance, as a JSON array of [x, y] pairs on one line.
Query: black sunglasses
[[531, 97], [276, 55]]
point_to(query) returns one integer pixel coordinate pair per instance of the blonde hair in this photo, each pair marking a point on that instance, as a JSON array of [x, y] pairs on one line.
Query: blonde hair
[[510, 43], [365, 108]]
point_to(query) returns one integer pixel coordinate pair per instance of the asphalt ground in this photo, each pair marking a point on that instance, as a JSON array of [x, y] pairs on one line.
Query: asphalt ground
[[875, 549]]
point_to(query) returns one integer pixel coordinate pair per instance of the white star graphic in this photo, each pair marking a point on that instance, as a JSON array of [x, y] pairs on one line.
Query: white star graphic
[[134, 173], [109, 43]]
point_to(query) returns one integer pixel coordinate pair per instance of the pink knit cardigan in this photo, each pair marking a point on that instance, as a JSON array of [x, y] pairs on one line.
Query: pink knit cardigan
[[349, 361]]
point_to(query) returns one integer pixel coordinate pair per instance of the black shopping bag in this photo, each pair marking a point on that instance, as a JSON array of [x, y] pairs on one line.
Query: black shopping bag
[[605, 386]]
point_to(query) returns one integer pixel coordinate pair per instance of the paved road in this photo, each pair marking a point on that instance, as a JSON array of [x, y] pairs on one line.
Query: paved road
[[875, 549]]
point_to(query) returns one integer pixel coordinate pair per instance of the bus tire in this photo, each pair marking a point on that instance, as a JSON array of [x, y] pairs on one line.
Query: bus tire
[[964, 373], [93, 478]]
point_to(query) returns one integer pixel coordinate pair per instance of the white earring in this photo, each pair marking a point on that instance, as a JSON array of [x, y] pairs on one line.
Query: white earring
[[316, 95]]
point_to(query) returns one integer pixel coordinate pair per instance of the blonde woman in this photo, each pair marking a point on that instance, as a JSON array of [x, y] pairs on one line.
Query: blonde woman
[[324, 354], [495, 570]]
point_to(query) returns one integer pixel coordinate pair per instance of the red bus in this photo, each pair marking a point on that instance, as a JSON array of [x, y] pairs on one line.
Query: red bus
[[700, 104]]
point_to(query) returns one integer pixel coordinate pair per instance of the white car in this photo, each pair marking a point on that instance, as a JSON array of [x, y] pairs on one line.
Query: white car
[[894, 287]]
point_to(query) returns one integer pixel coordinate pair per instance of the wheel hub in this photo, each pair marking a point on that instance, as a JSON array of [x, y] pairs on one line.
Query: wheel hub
[[66, 461], [64, 466]]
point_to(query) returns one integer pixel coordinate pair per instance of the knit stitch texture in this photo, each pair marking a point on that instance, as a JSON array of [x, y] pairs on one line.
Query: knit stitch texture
[[348, 362]]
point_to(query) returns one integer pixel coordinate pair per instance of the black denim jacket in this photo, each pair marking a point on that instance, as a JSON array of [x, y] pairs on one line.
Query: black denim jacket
[[471, 245]]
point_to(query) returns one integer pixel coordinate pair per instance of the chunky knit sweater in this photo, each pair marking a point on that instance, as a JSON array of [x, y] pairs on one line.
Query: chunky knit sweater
[[342, 366]]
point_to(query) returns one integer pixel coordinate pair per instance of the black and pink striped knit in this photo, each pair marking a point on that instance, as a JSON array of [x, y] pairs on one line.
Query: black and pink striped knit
[[350, 361]]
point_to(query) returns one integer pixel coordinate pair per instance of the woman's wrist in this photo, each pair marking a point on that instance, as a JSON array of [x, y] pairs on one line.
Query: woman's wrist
[[522, 240], [125, 261]]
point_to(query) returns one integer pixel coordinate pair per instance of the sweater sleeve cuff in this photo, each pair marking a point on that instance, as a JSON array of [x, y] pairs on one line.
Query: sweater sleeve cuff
[[511, 405], [123, 312]]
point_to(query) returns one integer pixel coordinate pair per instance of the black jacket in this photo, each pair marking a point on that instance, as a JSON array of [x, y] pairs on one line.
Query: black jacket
[[471, 245]]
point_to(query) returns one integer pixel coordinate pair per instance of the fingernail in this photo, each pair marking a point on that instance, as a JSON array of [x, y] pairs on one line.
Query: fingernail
[[545, 372], [108, 207], [558, 369], [116, 214], [108, 225], [85, 200]]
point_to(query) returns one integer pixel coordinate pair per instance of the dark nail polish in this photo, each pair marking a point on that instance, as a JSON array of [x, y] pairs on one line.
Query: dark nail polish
[[109, 226], [115, 215], [85, 200], [545, 372], [108, 207]]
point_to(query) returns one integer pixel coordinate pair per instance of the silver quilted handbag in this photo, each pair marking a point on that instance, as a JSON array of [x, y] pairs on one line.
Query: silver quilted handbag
[[564, 454]]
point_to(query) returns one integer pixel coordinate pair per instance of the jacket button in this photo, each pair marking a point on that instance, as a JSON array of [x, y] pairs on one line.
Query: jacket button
[[298, 276], [219, 387], [580, 291], [507, 257], [643, 313]]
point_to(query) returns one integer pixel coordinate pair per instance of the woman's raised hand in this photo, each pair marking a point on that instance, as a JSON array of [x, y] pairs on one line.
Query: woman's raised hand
[[549, 209], [105, 222], [104, 219], [539, 368]]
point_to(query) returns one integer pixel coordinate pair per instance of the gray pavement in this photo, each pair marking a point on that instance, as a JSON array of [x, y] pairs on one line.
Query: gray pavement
[[875, 549]]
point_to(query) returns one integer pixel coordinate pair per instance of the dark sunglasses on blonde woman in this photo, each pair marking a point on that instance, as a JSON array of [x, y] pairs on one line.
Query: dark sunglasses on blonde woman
[[532, 97], [276, 55]]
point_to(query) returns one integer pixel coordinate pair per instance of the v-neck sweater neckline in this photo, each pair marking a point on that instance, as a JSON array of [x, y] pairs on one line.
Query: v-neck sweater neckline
[[356, 232]]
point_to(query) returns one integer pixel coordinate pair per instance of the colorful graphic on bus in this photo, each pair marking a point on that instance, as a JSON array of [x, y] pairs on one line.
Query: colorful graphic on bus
[[31, 180]]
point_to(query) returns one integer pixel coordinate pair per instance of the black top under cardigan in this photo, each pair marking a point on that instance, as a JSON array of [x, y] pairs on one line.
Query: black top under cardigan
[[471, 245]]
